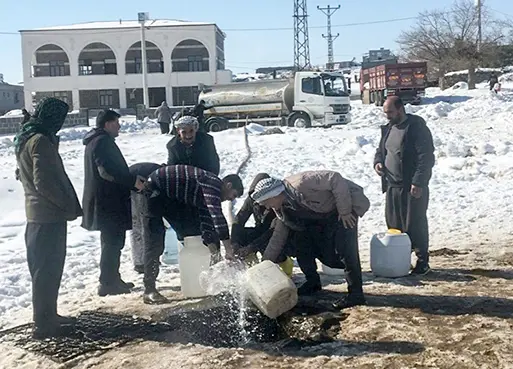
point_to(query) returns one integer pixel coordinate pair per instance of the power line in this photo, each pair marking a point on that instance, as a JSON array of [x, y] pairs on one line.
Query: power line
[[393, 20]]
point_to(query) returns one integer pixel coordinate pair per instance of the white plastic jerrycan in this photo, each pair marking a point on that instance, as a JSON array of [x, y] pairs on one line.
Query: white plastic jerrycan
[[390, 254], [270, 289], [194, 258], [172, 247]]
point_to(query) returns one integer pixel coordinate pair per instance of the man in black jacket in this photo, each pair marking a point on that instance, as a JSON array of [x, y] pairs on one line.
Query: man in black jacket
[[194, 148], [404, 160], [106, 199], [190, 147]]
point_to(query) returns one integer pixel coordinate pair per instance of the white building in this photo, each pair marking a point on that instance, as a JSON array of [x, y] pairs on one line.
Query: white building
[[98, 65]]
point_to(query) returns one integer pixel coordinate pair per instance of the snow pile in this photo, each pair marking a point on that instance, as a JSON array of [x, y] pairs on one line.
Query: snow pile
[[460, 86], [13, 113]]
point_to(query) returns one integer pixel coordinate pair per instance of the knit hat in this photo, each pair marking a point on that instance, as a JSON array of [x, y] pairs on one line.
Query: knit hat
[[267, 188], [187, 121]]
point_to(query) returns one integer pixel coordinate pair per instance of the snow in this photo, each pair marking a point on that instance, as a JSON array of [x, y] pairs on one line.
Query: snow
[[123, 24], [13, 113], [471, 196]]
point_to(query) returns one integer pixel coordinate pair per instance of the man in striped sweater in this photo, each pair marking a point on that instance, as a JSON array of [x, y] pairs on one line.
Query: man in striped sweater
[[184, 184]]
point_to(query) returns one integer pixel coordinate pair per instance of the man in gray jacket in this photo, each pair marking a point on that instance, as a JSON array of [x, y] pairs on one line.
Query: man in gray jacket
[[163, 114]]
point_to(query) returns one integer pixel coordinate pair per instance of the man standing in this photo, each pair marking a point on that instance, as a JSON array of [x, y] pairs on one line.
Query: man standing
[[190, 147], [50, 202], [318, 213], [148, 234], [163, 114], [199, 112], [106, 200], [404, 160], [182, 184]]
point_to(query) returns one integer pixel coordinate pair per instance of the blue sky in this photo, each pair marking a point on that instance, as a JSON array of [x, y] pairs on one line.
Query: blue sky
[[245, 50]]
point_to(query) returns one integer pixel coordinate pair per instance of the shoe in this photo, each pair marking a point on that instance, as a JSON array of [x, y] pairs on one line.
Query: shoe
[[128, 285], [309, 287], [41, 332], [421, 269], [352, 299], [154, 298], [65, 320], [112, 289], [139, 269]]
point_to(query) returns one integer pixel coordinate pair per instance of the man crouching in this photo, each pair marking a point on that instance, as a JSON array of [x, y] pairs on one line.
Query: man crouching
[[317, 211]]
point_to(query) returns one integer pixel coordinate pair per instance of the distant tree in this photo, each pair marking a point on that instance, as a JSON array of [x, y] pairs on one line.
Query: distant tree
[[448, 39]]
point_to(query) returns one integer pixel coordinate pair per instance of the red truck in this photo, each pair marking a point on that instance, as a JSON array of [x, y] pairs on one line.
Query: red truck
[[406, 80]]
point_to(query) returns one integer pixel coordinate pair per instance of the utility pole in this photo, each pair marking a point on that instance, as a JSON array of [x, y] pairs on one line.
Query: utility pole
[[143, 17], [328, 11], [479, 5], [301, 42]]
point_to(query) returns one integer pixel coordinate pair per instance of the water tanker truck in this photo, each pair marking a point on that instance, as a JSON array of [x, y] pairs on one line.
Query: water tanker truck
[[309, 99]]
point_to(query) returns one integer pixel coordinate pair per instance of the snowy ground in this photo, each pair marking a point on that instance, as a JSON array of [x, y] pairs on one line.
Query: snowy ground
[[470, 222]]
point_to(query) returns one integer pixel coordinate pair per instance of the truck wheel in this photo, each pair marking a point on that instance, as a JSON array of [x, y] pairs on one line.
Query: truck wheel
[[215, 124], [299, 120]]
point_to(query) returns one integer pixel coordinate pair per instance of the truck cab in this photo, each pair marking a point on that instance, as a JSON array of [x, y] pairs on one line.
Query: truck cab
[[320, 99]]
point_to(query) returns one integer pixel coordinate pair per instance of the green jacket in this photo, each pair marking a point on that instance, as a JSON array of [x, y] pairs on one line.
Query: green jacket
[[49, 194]]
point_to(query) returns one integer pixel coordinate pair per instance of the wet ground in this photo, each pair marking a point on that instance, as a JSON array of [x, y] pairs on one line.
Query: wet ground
[[458, 316]]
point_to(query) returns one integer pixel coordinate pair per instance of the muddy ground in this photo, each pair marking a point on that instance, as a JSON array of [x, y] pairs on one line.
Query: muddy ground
[[458, 316]]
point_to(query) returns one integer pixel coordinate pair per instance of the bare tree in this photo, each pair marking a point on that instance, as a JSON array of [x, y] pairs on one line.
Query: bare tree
[[448, 39]]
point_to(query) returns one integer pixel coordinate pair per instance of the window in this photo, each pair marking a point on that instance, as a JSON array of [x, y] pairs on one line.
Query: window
[[311, 86], [109, 66], [185, 95], [195, 63], [85, 67], [61, 95], [16, 98], [106, 99], [57, 68], [138, 65]]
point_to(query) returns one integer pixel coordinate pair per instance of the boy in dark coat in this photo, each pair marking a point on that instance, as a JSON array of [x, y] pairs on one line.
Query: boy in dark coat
[[50, 202], [405, 160], [106, 200]]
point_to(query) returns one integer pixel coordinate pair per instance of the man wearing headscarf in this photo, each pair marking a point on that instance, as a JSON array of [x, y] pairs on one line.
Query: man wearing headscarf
[[319, 211], [50, 202], [197, 149]]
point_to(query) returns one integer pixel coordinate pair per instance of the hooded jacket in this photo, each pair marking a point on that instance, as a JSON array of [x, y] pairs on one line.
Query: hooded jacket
[[107, 184], [49, 193]]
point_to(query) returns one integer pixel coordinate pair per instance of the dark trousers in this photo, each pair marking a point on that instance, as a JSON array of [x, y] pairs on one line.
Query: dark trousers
[[164, 127], [154, 234], [408, 214], [112, 242], [149, 212], [335, 246], [184, 219], [46, 253]]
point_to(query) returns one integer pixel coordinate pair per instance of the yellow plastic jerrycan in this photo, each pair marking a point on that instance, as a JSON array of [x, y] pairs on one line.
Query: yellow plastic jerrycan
[[287, 266]]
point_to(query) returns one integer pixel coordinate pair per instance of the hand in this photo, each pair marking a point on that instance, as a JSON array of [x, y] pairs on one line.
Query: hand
[[229, 253], [416, 191], [348, 220], [379, 169], [139, 183], [243, 252]]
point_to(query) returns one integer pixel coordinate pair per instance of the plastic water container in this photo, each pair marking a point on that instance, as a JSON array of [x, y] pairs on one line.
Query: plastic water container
[[390, 254], [269, 288], [332, 271], [172, 247], [194, 258]]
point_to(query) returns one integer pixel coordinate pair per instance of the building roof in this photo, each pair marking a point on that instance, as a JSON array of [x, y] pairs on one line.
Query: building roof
[[120, 24]]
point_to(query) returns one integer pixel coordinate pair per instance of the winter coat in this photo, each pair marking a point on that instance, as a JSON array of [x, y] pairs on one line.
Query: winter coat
[[202, 154], [311, 196], [49, 194], [163, 113], [107, 184], [417, 153]]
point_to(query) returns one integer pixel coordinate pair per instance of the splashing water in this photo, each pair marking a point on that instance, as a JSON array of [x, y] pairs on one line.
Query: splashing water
[[228, 278]]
